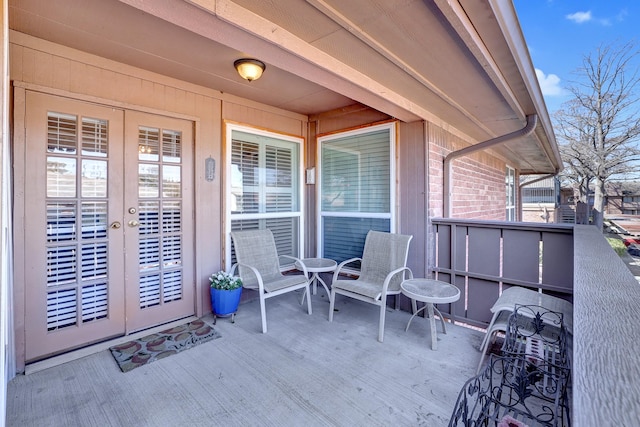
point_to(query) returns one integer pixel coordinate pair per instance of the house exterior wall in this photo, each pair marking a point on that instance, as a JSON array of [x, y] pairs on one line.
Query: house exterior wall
[[614, 205], [536, 213], [7, 360], [618, 205], [478, 181], [43, 66], [412, 194]]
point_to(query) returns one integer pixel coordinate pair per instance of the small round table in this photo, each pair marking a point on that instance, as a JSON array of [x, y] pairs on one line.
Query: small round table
[[316, 266], [430, 292]]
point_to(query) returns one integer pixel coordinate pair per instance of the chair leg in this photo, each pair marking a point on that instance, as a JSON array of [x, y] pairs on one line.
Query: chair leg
[[485, 347], [486, 336], [308, 299], [332, 301], [383, 312], [263, 314]]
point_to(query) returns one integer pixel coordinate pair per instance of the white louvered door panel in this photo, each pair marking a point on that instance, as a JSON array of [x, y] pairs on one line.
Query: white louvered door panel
[[158, 220], [74, 286]]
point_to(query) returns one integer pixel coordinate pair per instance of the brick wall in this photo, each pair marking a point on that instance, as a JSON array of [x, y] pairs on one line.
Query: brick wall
[[478, 180], [535, 213]]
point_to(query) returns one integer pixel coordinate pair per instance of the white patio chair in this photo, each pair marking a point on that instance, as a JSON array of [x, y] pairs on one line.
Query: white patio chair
[[383, 268], [259, 268]]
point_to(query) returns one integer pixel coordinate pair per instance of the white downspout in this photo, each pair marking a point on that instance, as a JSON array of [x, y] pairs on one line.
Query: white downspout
[[532, 120]]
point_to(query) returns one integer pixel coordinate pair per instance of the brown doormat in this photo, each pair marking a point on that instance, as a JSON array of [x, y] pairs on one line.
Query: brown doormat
[[145, 350]]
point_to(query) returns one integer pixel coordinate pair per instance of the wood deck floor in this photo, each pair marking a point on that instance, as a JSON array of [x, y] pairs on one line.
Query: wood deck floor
[[304, 372]]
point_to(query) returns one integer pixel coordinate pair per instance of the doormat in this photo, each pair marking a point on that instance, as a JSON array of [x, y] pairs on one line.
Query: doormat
[[133, 354]]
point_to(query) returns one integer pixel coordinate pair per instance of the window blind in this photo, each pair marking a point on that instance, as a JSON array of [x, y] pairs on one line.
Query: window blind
[[356, 189], [265, 188]]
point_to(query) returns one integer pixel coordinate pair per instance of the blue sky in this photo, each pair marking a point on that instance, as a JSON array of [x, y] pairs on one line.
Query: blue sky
[[559, 33]]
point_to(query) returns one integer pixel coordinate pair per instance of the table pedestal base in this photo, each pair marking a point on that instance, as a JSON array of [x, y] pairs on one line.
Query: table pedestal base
[[432, 320], [315, 278]]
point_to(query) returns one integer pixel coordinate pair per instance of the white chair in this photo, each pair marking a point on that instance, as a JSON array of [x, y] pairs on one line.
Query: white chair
[[383, 268], [259, 268]]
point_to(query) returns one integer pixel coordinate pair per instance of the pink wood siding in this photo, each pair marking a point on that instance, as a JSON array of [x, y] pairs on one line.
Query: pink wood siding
[[412, 197]]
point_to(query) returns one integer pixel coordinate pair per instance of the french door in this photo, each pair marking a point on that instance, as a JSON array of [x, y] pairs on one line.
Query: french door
[[108, 224]]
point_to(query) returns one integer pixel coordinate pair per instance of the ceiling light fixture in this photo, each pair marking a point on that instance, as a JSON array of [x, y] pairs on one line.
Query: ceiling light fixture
[[249, 68]]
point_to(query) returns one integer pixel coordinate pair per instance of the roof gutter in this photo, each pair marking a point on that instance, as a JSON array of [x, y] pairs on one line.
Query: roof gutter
[[532, 120]]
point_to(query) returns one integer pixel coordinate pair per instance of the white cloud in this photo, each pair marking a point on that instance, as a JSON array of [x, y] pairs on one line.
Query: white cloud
[[549, 84], [580, 17], [622, 15]]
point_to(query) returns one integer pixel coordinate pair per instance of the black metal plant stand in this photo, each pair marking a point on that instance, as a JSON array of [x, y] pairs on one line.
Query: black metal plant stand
[[529, 383]]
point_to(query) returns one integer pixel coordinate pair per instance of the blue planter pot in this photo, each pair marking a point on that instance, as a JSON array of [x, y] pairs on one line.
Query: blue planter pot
[[225, 302]]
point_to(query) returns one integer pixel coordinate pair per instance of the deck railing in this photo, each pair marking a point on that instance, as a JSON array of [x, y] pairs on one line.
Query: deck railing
[[573, 262], [480, 257]]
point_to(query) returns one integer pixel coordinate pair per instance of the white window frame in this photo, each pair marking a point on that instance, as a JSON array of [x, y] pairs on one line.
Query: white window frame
[[391, 215], [299, 214], [510, 210]]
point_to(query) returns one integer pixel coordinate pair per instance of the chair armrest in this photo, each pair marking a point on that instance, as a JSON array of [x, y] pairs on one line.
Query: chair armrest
[[341, 265], [297, 261], [253, 270], [387, 280]]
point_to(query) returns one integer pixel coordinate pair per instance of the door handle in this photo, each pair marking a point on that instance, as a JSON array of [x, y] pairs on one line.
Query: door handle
[[115, 225], [133, 223]]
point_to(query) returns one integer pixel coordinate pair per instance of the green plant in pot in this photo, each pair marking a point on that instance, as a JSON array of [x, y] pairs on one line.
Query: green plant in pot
[[226, 291]]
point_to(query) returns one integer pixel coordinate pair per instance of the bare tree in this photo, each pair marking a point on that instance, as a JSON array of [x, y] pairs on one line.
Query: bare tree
[[598, 129]]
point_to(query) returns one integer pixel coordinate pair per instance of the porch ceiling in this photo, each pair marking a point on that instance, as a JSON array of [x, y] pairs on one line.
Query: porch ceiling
[[459, 64]]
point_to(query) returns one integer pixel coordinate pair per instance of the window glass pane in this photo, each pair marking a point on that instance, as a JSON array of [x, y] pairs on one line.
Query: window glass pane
[[171, 181], [244, 176], [61, 177], [94, 178], [94, 137], [149, 253], [264, 187], [171, 146], [93, 261], [148, 180], [511, 194], [61, 308], [149, 290], [356, 190], [264, 174], [171, 217], [95, 302], [61, 265], [171, 251], [538, 195], [355, 173], [279, 188], [61, 222], [344, 237], [94, 220], [285, 233], [148, 144], [62, 133], [149, 217]]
